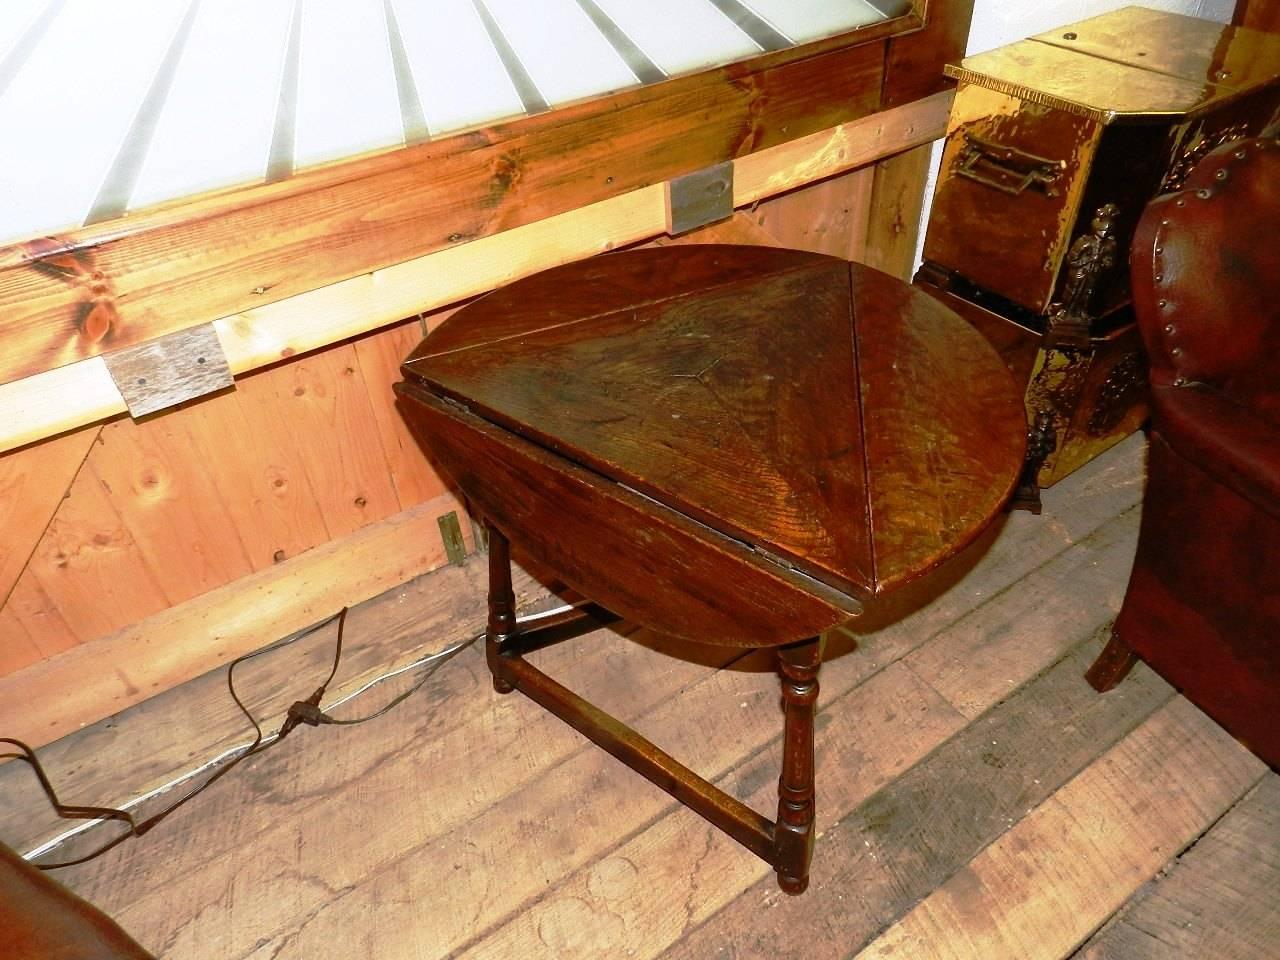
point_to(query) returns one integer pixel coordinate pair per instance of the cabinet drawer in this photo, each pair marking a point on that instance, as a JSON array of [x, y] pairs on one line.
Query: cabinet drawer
[[1009, 188]]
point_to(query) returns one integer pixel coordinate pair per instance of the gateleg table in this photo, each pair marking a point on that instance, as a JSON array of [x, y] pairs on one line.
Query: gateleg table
[[743, 446]]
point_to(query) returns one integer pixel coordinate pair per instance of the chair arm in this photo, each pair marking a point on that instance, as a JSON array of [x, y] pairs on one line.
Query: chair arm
[[1204, 265]]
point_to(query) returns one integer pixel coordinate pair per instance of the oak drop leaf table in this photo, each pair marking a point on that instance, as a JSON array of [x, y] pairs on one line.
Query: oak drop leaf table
[[729, 445]]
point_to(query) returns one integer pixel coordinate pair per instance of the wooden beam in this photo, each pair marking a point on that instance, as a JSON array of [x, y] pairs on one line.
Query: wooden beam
[[125, 281], [913, 65], [57, 696], [82, 392], [829, 216], [897, 197]]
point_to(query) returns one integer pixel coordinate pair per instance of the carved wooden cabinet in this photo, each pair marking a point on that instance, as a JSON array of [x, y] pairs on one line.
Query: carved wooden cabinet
[[1055, 145]]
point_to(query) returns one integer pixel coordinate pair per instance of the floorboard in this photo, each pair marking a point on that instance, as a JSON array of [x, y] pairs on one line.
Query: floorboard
[[1221, 898], [975, 797]]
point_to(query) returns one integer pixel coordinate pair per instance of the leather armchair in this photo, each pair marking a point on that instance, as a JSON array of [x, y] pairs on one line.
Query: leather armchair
[[1203, 602]]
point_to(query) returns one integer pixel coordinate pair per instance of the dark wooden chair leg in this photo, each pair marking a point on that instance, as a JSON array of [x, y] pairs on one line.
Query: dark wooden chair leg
[[793, 832], [501, 627], [1115, 661]]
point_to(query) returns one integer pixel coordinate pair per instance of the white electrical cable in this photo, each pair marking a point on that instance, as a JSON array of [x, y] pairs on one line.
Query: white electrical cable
[[230, 753]]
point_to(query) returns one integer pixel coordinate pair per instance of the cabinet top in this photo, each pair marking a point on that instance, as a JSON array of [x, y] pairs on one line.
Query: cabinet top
[[1131, 65]]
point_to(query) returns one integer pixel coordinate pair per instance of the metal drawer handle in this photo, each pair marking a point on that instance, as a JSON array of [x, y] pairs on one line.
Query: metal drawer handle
[[1008, 169]]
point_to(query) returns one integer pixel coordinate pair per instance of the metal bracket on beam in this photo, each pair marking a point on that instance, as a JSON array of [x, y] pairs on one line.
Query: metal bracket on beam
[[169, 370], [451, 535], [698, 198]]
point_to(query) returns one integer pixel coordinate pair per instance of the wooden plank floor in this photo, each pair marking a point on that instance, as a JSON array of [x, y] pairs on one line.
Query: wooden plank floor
[[976, 799]]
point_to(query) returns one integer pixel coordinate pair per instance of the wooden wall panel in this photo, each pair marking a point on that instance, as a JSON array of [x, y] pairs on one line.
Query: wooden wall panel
[[170, 505], [871, 215], [16, 647], [323, 401], [250, 455], [33, 482], [44, 631], [379, 357], [206, 494], [90, 567], [102, 535]]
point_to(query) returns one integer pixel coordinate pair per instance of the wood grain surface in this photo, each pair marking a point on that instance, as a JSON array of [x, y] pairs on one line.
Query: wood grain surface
[[912, 834], [830, 216], [942, 421], [105, 287], [177, 642], [1086, 849], [1059, 804], [893, 228], [32, 485], [682, 594], [159, 511], [90, 565], [169, 505], [1213, 902], [423, 615], [739, 386], [720, 381], [82, 392], [910, 71]]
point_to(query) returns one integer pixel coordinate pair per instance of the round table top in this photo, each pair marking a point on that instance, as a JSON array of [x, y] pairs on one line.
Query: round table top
[[821, 412]]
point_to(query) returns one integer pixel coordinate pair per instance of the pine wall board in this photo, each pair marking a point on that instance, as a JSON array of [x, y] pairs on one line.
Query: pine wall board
[[106, 526]]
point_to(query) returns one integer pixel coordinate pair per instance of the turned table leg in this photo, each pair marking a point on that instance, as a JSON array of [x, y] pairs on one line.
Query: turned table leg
[[793, 834], [786, 844], [501, 625]]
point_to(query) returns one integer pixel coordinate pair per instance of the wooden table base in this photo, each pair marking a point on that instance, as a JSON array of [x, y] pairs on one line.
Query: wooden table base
[[786, 845]]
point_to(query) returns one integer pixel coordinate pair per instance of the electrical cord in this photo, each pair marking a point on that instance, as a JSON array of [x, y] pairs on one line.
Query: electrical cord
[[306, 711]]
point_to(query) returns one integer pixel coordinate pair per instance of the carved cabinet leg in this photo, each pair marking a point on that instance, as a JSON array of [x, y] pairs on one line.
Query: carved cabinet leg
[[502, 608], [793, 833], [1115, 661], [1042, 440]]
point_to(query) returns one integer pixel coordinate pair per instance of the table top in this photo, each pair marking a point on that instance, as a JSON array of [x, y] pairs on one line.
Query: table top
[[825, 414]]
